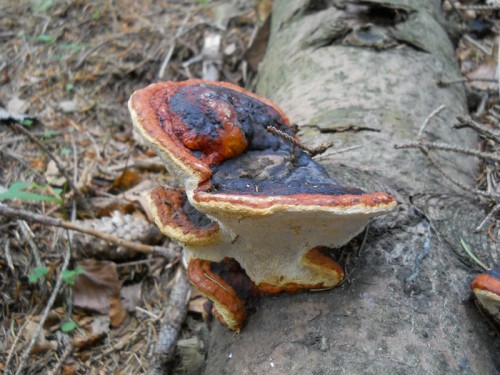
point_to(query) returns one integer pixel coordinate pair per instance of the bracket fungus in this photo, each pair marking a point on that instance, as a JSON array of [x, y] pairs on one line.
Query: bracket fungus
[[257, 214], [486, 290]]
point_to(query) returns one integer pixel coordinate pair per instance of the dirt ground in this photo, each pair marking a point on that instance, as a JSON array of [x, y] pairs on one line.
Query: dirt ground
[[67, 69]]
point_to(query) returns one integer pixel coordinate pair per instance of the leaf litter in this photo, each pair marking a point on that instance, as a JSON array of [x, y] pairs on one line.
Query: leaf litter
[[67, 70]]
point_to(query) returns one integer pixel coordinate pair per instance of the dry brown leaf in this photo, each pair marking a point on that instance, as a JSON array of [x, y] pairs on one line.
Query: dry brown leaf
[[71, 369], [98, 289], [42, 345], [127, 180], [131, 296], [54, 319], [95, 329], [117, 312], [53, 175]]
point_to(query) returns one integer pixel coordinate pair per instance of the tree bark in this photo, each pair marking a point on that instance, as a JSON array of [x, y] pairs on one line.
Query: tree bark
[[405, 307]]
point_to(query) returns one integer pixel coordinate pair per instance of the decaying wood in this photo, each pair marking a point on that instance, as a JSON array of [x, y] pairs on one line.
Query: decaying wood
[[405, 306]]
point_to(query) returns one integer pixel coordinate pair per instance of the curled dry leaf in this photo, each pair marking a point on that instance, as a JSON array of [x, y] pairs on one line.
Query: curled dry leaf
[[98, 289], [53, 175], [92, 330], [127, 180]]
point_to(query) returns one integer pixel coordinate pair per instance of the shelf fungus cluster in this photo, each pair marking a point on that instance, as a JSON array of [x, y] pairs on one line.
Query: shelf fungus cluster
[[257, 214]]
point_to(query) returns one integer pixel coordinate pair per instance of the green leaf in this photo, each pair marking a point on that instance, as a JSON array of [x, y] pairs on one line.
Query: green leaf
[[46, 38], [16, 191], [38, 274], [96, 15], [27, 122], [49, 133], [68, 326], [472, 256], [70, 86], [68, 276], [40, 6]]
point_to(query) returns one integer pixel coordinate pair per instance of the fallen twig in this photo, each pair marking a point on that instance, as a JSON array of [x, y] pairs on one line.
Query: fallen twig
[[461, 185], [48, 307], [14, 213], [174, 316], [464, 122], [478, 7], [427, 120], [447, 147], [287, 137], [446, 82], [493, 211]]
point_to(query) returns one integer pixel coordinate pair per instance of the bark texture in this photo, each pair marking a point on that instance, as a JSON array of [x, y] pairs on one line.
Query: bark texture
[[405, 308]]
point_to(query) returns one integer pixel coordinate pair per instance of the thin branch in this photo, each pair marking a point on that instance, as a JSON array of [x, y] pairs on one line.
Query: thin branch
[[478, 45], [446, 82], [14, 213], [479, 8], [173, 42], [447, 147], [461, 185], [48, 307], [464, 122], [339, 151], [287, 137], [428, 119], [493, 211], [174, 316]]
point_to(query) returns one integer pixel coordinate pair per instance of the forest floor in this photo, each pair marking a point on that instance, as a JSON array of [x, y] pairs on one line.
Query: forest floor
[[73, 303]]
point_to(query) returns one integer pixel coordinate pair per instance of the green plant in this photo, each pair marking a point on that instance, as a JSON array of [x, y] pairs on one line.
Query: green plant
[[38, 274], [68, 326], [473, 256], [17, 191], [27, 122], [45, 38], [68, 276]]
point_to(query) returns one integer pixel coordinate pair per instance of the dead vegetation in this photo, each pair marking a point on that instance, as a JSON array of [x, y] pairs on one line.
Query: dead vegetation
[[80, 303], [88, 285]]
